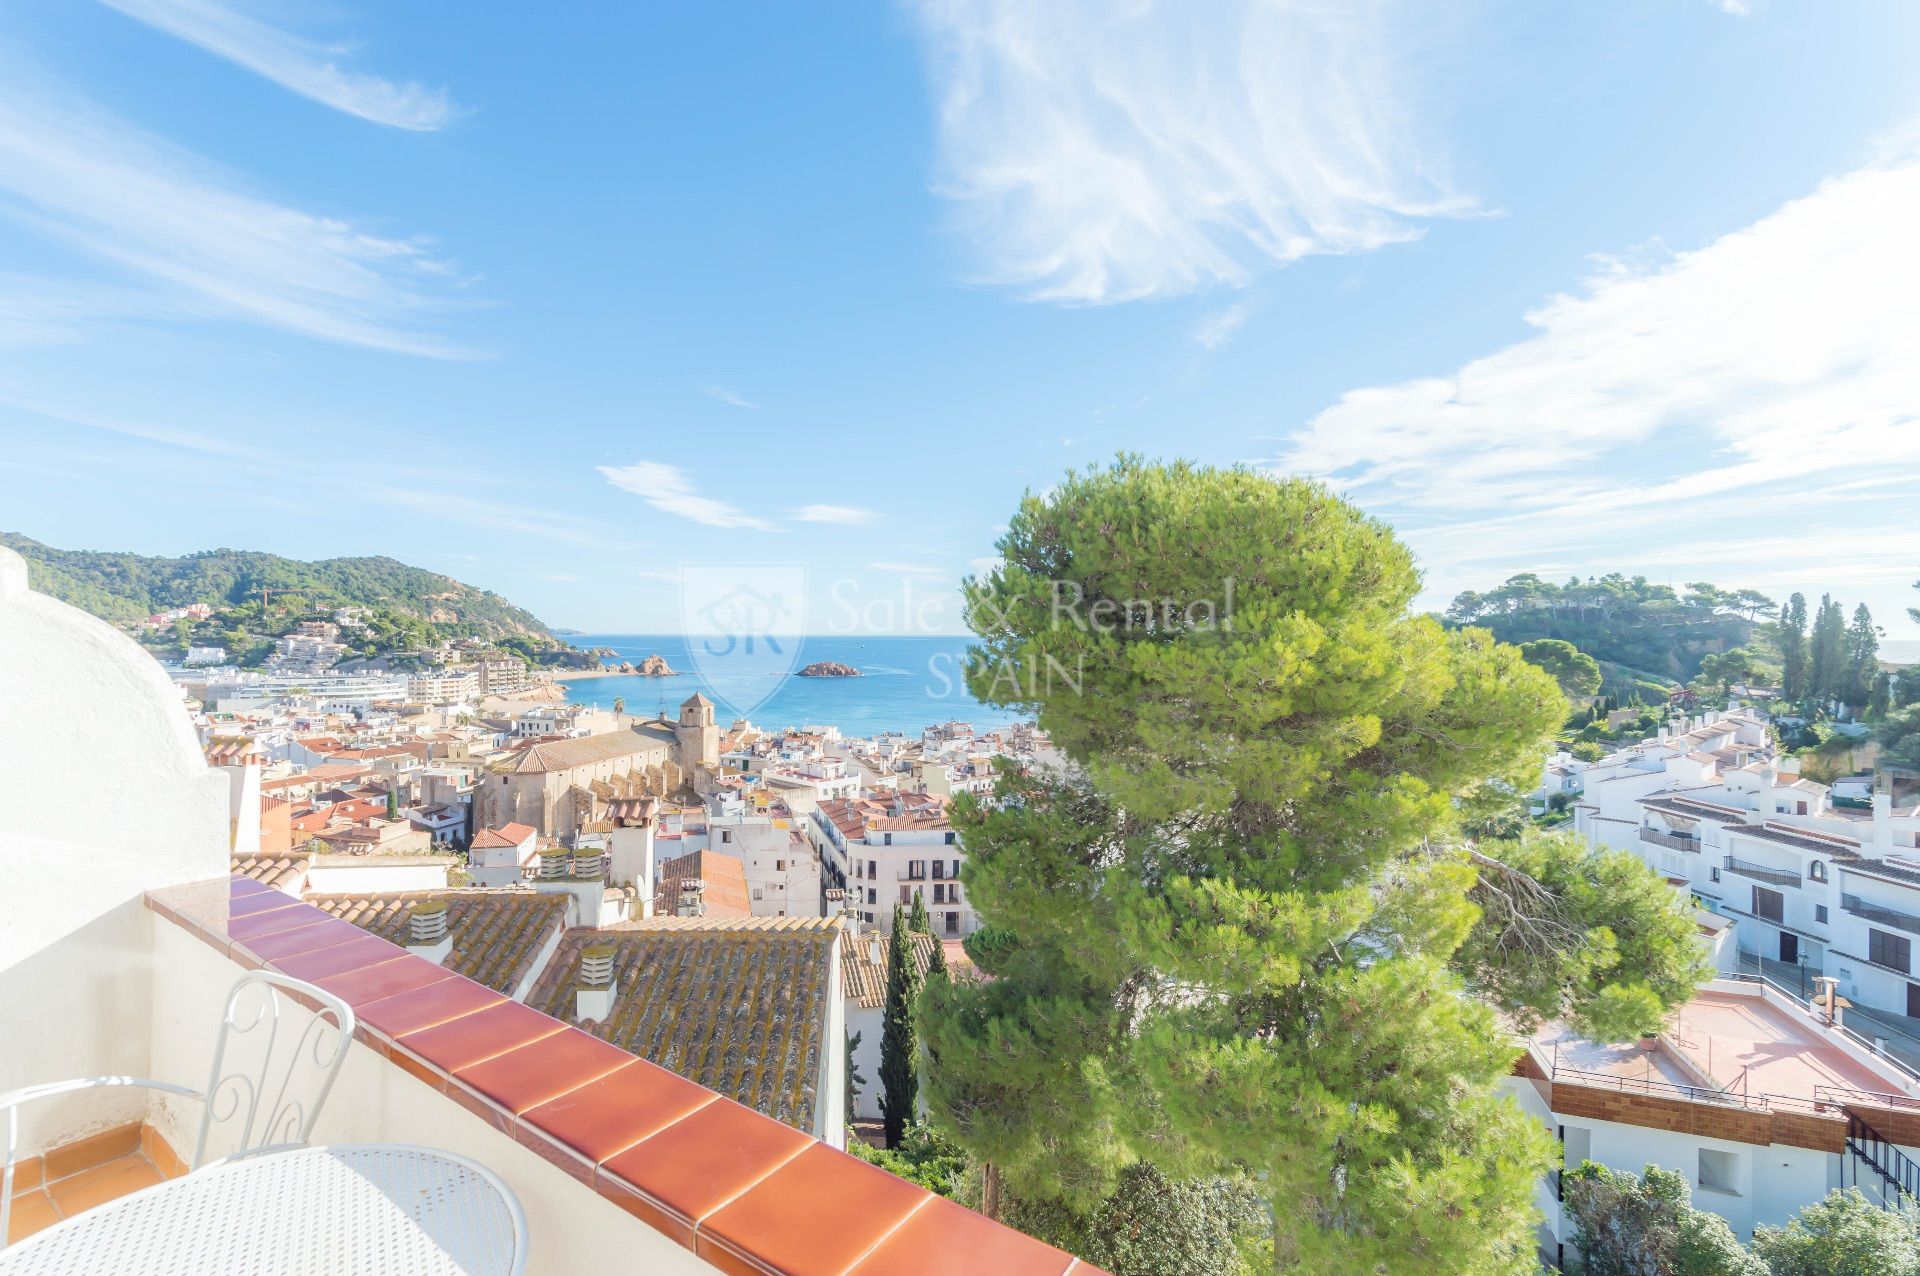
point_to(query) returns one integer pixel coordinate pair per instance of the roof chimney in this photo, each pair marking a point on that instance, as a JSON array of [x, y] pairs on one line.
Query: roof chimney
[[593, 994], [589, 864], [692, 902], [427, 933], [553, 864]]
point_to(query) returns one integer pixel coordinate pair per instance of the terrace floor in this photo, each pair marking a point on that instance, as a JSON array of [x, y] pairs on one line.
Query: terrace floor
[[1747, 1044], [86, 1173]]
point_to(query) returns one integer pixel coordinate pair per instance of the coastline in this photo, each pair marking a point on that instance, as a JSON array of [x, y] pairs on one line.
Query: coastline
[[575, 675]]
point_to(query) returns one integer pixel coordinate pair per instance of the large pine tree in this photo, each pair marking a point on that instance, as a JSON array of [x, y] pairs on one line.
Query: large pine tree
[[899, 1041], [1237, 934]]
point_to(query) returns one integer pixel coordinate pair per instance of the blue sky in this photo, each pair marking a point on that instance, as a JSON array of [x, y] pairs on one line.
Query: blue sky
[[559, 303]]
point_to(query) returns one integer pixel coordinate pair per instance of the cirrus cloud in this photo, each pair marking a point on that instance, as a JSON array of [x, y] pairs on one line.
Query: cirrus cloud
[[670, 490], [304, 66], [1667, 403], [199, 244], [1103, 153]]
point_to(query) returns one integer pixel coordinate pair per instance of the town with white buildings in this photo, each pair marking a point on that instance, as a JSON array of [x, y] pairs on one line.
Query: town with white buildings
[[598, 865]]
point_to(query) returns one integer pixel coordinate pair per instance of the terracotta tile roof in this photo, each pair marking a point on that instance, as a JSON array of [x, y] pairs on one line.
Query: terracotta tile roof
[[724, 879], [277, 871], [505, 835], [863, 966], [496, 933], [736, 1004], [328, 772], [564, 755], [231, 750]]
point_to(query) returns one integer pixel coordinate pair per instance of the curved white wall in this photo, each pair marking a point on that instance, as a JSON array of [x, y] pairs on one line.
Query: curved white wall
[[104, 794]]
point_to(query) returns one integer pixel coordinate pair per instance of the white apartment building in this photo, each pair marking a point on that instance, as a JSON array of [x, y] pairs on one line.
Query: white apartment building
[[887, 848], [1756, 1098], [1563, 776], [449, 685], [804, 784], [502, 677], [1817, 889], [782, 867]]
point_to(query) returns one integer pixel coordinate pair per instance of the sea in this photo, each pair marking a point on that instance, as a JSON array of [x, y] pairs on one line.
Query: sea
[[906, 684]]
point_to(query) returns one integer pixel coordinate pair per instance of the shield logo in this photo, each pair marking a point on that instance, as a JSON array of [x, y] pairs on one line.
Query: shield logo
[[743, 623]]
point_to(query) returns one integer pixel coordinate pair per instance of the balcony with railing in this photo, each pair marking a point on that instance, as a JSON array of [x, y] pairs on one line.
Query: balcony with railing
[[121, 936], [1764, 872], [1880, 914], [1672, 841]]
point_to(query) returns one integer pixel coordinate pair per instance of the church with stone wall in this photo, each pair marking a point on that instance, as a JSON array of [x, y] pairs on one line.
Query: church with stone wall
[[562, 788]]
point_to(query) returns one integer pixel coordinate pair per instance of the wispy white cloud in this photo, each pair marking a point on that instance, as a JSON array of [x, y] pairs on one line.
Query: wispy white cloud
[[1219, 327], [163, 433], [833, 514], [668, 489], [1738, 8], [731, 399], [198, 242], [37, 311], [1773, 354], [307, 67], [1102, 152], [492, 513], [1766, 379]]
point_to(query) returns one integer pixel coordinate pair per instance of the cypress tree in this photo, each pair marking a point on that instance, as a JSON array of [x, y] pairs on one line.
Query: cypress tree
[[917, 920], [1863, 657], [899, 1042], [1791, 637], [937, 963], [1827, 652]]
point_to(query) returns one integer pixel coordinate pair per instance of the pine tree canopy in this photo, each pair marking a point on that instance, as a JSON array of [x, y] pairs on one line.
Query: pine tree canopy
[[1240, 934]]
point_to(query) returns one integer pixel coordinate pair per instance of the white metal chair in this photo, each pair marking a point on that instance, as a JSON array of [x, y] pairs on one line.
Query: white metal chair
[[269, 1090]]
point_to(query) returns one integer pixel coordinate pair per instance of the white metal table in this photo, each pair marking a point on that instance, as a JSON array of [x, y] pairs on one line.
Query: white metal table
[[309, 1211]]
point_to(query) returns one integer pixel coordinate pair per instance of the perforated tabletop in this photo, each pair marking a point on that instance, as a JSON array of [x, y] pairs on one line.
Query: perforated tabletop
[[302, 1212]]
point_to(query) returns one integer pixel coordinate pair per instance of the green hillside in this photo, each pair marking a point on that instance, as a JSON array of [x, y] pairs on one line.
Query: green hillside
[[407, 607], [1638, 631]]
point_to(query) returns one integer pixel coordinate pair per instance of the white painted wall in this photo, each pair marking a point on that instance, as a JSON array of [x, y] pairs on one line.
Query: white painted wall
[[868, 1022], [106, 794], [372, 874], [830, 1111]]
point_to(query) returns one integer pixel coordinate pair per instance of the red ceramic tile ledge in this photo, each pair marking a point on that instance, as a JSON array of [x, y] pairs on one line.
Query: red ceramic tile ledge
[[752, 1196]]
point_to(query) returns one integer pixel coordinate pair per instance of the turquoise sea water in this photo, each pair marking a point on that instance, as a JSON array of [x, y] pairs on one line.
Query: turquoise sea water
[[906, 684]]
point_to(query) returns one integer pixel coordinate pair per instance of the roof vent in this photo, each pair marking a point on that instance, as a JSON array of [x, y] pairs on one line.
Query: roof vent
[[589, 864], [553, 864], [427, 934], [596, 966], [593, 995]]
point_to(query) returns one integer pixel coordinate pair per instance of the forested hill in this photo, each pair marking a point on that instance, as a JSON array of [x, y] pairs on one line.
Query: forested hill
[[1620, 620], [408, 602]]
